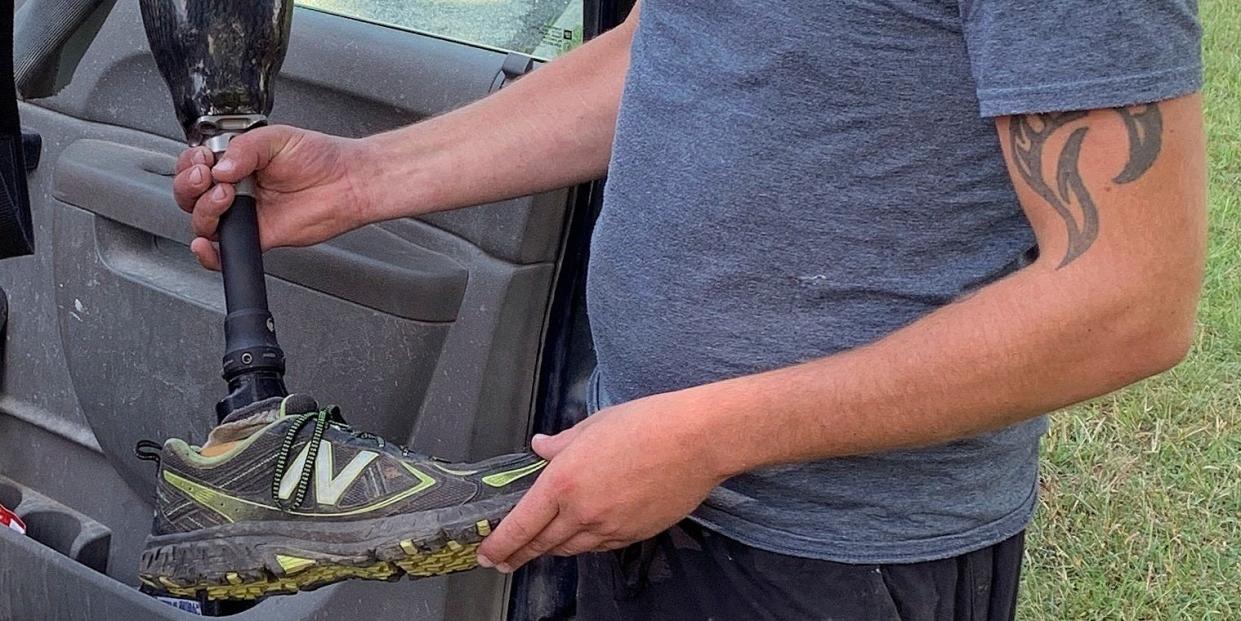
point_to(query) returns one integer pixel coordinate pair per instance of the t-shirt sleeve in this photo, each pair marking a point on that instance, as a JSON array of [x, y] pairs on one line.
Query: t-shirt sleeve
[[1032, 56]]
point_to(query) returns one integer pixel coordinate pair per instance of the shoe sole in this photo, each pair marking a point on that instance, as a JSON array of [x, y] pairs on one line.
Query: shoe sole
[[249, 560]]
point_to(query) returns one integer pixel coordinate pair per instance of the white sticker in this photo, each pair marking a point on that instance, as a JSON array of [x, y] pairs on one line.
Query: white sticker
[[188, 605]]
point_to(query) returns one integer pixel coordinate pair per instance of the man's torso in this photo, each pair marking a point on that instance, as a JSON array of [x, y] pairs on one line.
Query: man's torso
[[791, 180]]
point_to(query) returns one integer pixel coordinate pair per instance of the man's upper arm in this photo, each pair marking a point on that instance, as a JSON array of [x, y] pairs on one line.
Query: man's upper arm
[[1120, 189], [1112, 181]]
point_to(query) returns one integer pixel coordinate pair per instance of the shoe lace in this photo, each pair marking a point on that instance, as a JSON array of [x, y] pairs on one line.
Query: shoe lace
[[320, 419], [147, 450], [324, 418]]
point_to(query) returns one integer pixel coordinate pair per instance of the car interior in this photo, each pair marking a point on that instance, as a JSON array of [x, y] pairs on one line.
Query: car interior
[[457, 334]]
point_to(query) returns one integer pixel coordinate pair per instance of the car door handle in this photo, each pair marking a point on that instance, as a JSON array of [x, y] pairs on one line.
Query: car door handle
[[124, 184], [370, 266]]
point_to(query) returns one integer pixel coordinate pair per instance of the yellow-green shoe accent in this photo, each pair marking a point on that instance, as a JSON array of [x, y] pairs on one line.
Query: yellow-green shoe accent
[[500, 479], [235, 509], [226, 506], [293, 564]]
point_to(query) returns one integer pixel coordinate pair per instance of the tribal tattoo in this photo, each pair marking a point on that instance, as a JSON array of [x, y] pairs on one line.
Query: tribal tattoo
[[1068, 195]]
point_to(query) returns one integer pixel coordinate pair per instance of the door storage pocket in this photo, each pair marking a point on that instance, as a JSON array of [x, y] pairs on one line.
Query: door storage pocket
[[58, 527]]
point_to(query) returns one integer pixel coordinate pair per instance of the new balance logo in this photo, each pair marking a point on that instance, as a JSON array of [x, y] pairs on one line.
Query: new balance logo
[[328, 488]]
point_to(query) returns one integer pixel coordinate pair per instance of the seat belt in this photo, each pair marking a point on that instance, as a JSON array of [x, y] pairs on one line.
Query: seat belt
[[16, 230]]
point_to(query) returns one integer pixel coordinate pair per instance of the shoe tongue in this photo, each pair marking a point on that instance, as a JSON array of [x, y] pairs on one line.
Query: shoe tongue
[[251, 410], [299, 404], [243, 422], [271, 408]]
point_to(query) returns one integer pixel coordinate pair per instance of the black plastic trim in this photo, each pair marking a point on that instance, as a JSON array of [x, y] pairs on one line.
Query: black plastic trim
[[32, 148], [545, 589]]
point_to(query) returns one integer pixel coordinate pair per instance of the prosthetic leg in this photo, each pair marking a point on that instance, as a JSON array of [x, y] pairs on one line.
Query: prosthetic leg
[[219, 59], [272, 514]]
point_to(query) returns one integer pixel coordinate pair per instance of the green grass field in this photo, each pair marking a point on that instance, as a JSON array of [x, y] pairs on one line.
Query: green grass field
[[1141, 509]]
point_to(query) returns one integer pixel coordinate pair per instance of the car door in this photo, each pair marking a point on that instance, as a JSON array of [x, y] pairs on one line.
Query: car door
[[433, 332]]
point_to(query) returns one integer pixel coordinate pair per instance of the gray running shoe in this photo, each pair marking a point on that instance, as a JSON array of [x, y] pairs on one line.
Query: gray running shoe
[[301, 501]]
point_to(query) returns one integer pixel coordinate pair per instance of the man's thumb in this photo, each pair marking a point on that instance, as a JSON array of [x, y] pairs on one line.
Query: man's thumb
[[250, 152], [548, 447]]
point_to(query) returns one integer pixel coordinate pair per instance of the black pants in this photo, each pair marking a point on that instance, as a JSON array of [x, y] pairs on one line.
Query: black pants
[[689, 572]]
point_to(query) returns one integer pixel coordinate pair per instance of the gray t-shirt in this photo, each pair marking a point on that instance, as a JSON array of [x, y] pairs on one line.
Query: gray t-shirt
[[794, 179]]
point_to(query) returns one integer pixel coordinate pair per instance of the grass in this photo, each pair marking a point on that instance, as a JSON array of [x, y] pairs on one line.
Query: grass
[[1141, 508]]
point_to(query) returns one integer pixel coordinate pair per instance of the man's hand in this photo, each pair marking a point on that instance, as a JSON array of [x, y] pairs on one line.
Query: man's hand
[[307, 185], [620, 476]]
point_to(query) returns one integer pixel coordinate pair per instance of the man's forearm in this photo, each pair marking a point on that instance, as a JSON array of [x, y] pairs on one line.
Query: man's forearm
[[1028, 344], [548, 130]]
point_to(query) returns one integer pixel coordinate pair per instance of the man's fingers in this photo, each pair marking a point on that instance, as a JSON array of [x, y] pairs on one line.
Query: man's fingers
[[194, 155], [207, 254], [582, 543], [531, 515], [189, 184], [555, 535], [251, 151], [209, 208]]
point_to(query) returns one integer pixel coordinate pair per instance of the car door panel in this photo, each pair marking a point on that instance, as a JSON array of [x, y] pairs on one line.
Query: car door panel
[[426, 331], [131, 186]]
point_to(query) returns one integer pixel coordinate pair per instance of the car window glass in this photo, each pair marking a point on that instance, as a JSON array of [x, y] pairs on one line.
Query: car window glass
[[540, 28]]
